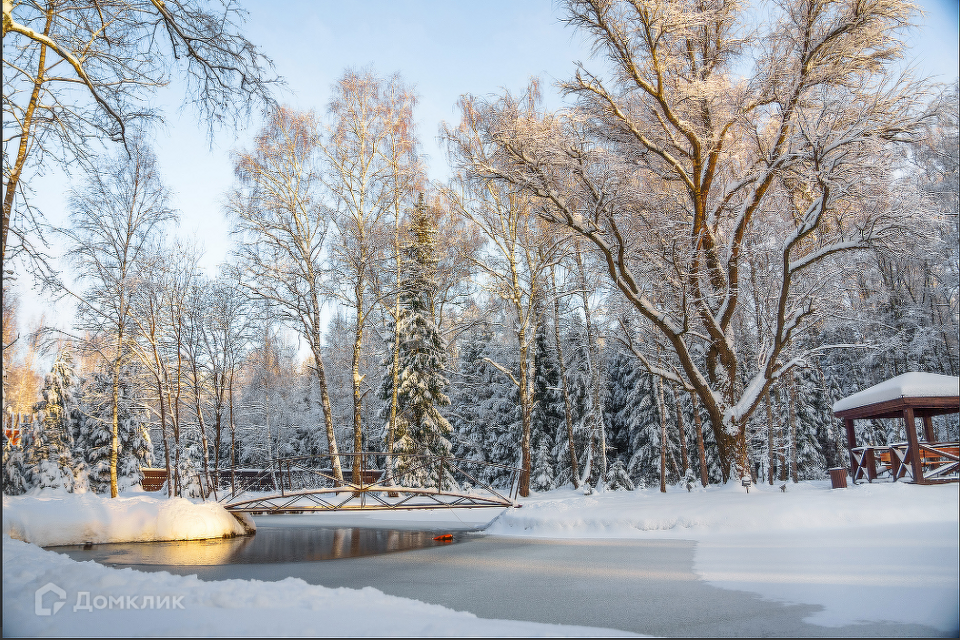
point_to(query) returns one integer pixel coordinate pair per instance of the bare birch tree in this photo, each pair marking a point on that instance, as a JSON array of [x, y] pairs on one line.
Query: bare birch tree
[[371, 122], [514, 266], [225, 336], [281, 228], [116, 216], [76, 74]]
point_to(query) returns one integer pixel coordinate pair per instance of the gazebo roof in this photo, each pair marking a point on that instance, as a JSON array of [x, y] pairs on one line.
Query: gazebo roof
[[937, 393]]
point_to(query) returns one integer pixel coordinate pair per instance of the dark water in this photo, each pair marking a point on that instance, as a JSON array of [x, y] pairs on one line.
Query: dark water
[[270, 545]]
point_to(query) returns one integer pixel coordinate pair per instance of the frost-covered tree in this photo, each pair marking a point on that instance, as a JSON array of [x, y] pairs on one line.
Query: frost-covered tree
[[677, 172], [53, 461], [542, 478], [617, 477], [106, 402], [547, 420], [484, 406], [514, 264], [189, 470], [621, 398], [470, 397], [371, 121], [816, 439], [586, 415], [117, 216], [422, 383], [283, 227], [14, 482], [79, 72]]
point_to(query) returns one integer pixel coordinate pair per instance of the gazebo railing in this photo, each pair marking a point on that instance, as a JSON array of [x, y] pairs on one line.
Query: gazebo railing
[[940, 462]]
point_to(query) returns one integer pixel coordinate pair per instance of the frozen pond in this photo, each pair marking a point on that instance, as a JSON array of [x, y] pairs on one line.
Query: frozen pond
[[299, 538], [271, 545], [646, 586]]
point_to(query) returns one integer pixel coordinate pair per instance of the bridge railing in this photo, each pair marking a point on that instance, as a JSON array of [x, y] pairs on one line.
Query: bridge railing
[[370, 471]]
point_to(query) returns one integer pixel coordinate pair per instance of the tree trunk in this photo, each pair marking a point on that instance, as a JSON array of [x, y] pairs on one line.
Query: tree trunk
[[13, 180], [525, 410], [233, 442], [395, 381], [593, 364], [663, 437], [683, 436], [164, 435], [115, 430], [218, 423], [327, 415], [794, 471], [200, 424], [567, 408], [701, 449], [357, 396], [771, 450], [176, 422]]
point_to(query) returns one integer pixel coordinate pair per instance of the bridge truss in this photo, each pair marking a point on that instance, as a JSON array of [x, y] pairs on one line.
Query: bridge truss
[[418, 481]]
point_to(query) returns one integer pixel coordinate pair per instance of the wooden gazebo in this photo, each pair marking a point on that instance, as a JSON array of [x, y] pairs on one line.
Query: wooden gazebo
[[908, 396]]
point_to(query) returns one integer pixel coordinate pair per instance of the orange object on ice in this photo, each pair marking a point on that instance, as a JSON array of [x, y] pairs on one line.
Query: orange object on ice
[[446, 537]]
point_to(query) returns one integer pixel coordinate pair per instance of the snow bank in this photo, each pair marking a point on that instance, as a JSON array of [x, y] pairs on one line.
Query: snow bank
[[52, 518], [727, 509], [193, 608], [882, 552]]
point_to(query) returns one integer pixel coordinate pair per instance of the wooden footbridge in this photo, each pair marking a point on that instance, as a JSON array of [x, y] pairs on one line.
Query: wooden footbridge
[[359, 482]]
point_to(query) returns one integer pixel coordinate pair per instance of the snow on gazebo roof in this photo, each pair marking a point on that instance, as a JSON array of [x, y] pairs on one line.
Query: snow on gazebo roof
[[908, 385]]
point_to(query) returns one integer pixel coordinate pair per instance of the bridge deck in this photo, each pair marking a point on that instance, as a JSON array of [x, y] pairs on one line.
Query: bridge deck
[[303, 484]]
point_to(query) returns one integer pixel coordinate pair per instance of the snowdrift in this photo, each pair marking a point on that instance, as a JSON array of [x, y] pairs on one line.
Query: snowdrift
[[52, 518]]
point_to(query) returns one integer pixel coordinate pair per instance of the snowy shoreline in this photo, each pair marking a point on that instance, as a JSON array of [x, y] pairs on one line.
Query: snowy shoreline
[[56, 518]]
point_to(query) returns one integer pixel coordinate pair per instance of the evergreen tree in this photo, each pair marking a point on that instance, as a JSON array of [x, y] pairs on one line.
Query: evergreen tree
[[487, 413], [633, 419], [621, 395], [617, 477], [14, 482], [542, 476], [505, 416], [641, 412], [135, 450], [816, 442], [474, 397], [189, 469], [53, 464], [547, 420], [421, 392], [586, 441]]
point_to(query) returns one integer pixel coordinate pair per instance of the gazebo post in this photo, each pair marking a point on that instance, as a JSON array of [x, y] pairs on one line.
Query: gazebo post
[[928, 434], [912, 438], [851, 445], [851, 434]]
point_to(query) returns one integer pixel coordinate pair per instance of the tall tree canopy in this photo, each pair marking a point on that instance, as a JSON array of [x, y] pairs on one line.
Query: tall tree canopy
[[719, 140], [77, 73]]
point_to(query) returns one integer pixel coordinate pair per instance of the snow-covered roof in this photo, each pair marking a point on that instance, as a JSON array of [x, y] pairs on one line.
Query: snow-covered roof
[[908, 385]]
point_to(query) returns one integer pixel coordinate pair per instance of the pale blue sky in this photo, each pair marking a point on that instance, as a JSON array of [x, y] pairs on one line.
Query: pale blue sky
[[444, 48]]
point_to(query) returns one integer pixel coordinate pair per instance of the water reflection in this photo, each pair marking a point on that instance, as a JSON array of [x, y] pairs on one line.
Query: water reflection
[[269, 545]]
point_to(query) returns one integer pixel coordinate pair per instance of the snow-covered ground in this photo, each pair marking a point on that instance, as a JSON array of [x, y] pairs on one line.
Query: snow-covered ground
[[881, 552], [55, 517]]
